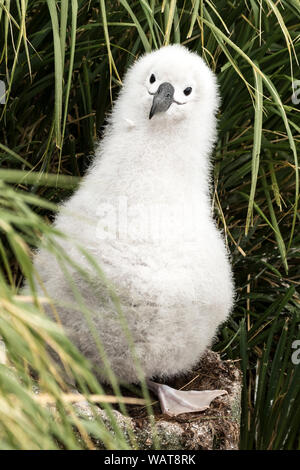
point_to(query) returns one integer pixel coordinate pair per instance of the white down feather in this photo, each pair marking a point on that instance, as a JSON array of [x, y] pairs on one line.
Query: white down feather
[[144, 212]]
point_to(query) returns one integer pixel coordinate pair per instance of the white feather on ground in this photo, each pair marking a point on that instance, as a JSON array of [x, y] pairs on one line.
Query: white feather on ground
[[163, 253]]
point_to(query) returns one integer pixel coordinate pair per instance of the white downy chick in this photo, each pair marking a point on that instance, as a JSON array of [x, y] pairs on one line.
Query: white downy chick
[[144, 212]]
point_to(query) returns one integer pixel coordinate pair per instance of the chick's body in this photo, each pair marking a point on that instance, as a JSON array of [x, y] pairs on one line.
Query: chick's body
[[144, 212]]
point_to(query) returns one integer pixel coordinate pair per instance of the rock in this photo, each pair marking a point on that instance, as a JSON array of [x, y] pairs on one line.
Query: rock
[[215, 428]]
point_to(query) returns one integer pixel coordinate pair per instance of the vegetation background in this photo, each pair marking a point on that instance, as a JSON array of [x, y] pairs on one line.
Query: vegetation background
[[62, 63]]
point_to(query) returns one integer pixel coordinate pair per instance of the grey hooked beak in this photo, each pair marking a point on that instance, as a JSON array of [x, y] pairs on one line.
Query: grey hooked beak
[[162, 99]]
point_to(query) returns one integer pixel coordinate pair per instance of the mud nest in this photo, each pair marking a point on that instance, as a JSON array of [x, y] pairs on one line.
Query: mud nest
[[215, 428]]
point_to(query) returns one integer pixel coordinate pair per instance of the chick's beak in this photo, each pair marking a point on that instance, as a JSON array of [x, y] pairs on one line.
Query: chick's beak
[[162, 99]]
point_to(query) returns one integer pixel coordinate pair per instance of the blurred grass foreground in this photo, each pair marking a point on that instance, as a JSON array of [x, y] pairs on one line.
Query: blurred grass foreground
[[61, 64]]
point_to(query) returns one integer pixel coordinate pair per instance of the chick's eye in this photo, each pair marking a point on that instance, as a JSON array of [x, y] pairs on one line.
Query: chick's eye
[[187, 91], [152, 78]]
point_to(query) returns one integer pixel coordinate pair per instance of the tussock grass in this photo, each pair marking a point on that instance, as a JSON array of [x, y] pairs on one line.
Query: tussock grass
[[62, 62]]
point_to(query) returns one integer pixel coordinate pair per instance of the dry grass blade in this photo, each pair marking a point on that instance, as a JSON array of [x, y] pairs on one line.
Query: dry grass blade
[[46, 399]]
